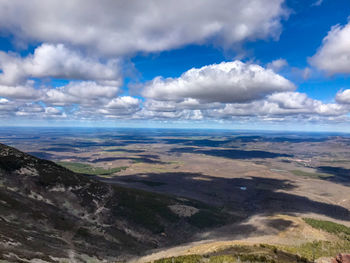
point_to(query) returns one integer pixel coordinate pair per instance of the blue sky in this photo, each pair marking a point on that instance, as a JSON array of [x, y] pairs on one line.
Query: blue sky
[[255, 64]]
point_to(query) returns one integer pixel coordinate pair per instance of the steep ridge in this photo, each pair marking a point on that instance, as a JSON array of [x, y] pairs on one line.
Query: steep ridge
[[50, 213]]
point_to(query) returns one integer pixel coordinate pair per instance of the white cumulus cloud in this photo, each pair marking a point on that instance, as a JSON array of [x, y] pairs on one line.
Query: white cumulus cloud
[[119, 27], [343, 97], [121, 107], [26, 91], [227, 82], [277, 64], [282, 104], [334, 55], [85, 92], [123, 102], [56, 61]]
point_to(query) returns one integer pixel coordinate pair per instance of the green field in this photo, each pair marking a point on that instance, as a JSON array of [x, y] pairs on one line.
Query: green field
[[311, 175], [83, 168], [317, 249], [321, 248], [242, 254], [330, 227]]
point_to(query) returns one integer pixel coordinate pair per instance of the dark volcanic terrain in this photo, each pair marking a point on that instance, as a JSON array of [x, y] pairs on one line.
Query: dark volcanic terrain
[[49, 212]]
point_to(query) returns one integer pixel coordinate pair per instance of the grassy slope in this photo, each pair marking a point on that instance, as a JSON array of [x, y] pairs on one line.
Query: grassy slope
[[305, 252], [322, 248], [83, 168], [262, 253], [329, 227], [311, 175]]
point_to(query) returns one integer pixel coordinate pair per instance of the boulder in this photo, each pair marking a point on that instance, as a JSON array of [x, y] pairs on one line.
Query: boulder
[[342, 258]]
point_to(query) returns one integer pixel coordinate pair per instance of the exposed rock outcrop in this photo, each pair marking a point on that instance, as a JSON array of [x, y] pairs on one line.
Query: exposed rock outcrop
[[342, 258]]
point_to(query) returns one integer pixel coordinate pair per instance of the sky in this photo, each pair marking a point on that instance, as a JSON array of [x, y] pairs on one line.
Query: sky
[[229, 64]]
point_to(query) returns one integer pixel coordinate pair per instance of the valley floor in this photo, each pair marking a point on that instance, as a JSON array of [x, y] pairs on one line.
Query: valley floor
[[269, 186]]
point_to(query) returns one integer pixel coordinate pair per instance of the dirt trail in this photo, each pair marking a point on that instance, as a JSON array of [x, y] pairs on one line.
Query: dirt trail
[[298, 232]]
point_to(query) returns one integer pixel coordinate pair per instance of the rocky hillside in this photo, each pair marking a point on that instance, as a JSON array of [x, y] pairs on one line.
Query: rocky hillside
[[50, 213]]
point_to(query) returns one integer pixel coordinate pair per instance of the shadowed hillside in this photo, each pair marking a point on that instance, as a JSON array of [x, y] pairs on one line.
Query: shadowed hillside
[[50, 212]]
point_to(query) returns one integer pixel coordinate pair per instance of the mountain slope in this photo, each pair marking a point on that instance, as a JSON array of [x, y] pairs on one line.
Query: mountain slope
[[49, 212]]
